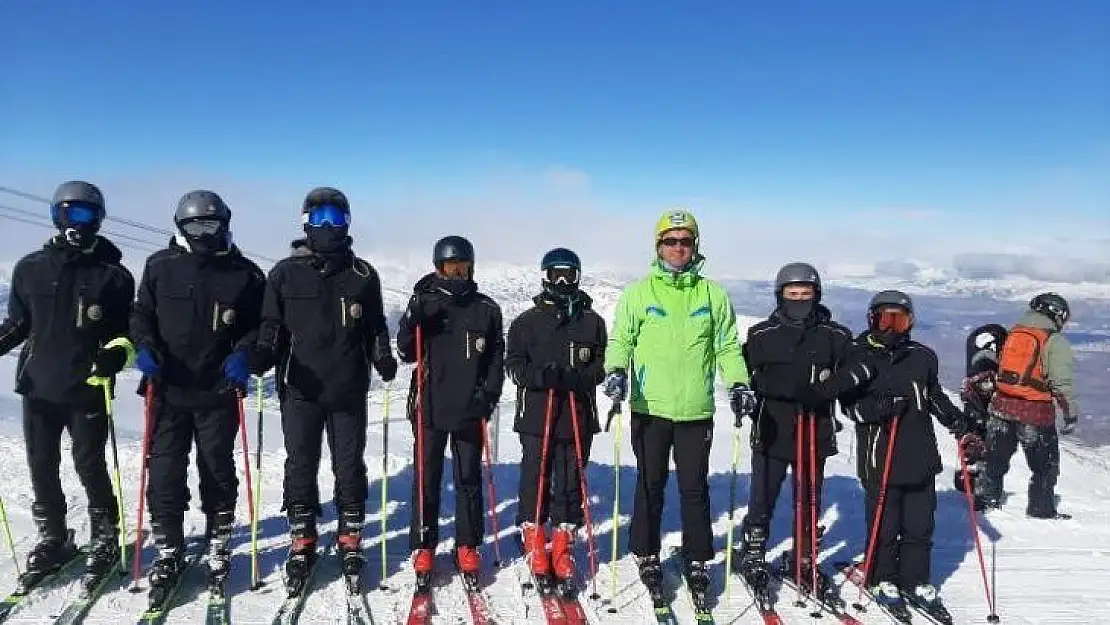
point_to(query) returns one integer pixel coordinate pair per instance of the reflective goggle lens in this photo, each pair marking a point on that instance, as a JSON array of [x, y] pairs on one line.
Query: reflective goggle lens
[[76, 213], [201, 227], [893, 320], [328, 215], [562, 275]]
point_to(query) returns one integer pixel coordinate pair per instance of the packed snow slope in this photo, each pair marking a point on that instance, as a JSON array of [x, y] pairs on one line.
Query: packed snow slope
[[1046, 571]]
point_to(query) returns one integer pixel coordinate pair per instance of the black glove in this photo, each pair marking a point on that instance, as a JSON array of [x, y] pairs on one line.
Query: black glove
[[742, 401], [481, 405], [808, 397], [387, 368], [109, 362], [260, 359], [570, 379], [889, 406], [424, 307], [546, 377]]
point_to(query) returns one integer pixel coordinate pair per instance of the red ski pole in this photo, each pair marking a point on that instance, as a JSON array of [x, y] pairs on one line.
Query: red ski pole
[[798, 483], [542, 482], [993, 616], [585, 494], [877, 521], [137, 551], [492, 496], [250, 485], [420, 430], [813, 501]]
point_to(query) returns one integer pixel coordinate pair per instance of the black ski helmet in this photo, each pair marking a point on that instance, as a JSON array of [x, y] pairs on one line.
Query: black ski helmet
[[1053, 306], [201, 204], [798, 273], [556, 263], [983, 347], [452, 247], [891, 298], [560, 257], [75, 192], [321, 196]]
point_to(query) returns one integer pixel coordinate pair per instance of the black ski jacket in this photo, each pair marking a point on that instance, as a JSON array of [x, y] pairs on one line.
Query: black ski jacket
[[907, 370], [463, 359], [66, 303], [571, 337], [782, 354], [323, 327], [194, 310]]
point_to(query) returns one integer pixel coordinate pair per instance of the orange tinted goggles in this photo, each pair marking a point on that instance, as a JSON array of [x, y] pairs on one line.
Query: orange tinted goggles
[[456, 268], [893, 319]]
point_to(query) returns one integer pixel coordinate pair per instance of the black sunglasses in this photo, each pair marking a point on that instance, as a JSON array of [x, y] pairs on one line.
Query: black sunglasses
[[673, 241]]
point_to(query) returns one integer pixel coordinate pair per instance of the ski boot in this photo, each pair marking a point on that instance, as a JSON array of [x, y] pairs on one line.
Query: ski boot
[[302, 549], [468, 561], [166, 570], [534, 546], [697, 583], [423, 564], [218, 558], [104, 552], [562, 559], [651, 576], [349, 544], [54, 549], [890, 599], [925, 598], [750, 562]]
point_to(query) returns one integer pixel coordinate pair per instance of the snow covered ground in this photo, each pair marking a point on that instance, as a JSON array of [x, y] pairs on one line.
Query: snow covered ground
[[1046, 572]]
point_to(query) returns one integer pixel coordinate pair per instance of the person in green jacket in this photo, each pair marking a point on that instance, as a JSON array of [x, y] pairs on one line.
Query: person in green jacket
[[673, 330]]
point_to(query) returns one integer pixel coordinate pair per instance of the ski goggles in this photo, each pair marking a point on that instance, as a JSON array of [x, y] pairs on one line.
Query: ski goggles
[[75, 213], [674, 241], [456, 268], [563, 275], [892, 319], [328, 215], [201, 227]]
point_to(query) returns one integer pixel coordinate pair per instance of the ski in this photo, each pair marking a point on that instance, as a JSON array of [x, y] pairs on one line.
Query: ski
[[29, 582], [762, 601], [831, 605], [661, 602], [157, 612], [550, 602], [219, 605], [699, 601], [92, 587], [852, 574], [480, 613], [290, 609], [422, 606], [358, 608]]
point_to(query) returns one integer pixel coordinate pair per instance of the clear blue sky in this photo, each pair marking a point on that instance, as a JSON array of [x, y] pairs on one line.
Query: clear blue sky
[[930, 104]]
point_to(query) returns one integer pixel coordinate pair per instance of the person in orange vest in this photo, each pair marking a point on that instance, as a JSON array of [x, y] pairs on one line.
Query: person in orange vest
[[1035, 369]]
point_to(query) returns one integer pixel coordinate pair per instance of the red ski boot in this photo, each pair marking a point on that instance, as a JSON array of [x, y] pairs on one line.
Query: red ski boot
[[423, 561], [535, 545], [562, 551], [468, 559]]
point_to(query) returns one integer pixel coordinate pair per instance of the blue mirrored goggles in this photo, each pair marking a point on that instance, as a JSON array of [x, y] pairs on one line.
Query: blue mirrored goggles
[[328, 215], [75, 213]]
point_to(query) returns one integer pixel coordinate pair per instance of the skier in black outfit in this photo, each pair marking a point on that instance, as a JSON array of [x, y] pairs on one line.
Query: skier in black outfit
[[887, 375], [799, 341], [323, 327], [983, 346], [194, 322], [557, 347], [70, 302], [463, 363]]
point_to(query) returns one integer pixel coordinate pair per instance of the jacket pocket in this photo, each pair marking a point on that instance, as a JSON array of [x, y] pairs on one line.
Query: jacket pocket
[[175, 307]]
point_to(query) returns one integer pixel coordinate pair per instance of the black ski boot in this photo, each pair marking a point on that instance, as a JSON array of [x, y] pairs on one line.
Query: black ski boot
[[54, 549], [697, 582], [349, 543], [925, 597], [651, 576], [104, 551], [218, 558], [165, 572], [750, 562], [890, 599], [302, 550]]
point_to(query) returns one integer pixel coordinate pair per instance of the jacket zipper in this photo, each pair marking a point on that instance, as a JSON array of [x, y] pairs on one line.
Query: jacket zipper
[[80, 311], [571, 360], [343, 310], [27, 360], [289, 361], [215, 316], [468, 344]]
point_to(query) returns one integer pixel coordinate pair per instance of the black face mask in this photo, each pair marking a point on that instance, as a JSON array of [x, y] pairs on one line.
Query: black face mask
[[81, 237], [797, 310], [206, 236], [561, 291], [326, 239]]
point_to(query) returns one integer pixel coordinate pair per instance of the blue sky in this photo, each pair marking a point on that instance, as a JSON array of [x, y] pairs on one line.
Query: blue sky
[[848, 114]]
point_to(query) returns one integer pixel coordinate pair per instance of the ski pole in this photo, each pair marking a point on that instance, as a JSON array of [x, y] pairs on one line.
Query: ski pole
[[798, 482], [420, 431], [492, 495], [115, 473], [615, 411], [8, 536], [732, 505], [877, 521], [542, 481], [813, 510], [250, 486], [585, 495], [260, 392], [993, 616], [385, 479], [136, 557]]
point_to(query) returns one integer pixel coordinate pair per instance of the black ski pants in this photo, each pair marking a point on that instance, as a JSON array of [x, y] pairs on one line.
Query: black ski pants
[[653, 439], [768, 474], [562, 498], [43, 424], [304, 425], [466, 456], [1042, 453], [904, 545], [176, 428]]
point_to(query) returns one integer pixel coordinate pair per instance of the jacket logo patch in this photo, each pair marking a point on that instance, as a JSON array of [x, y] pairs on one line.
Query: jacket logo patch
[[480, 344], [655, 311], [584, 354], [355, 310], [228, 317], [95, 312], [704, 310], [823, 375]]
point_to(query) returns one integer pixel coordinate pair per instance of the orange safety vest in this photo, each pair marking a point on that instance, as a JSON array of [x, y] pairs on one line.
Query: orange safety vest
[[1020, 370]]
